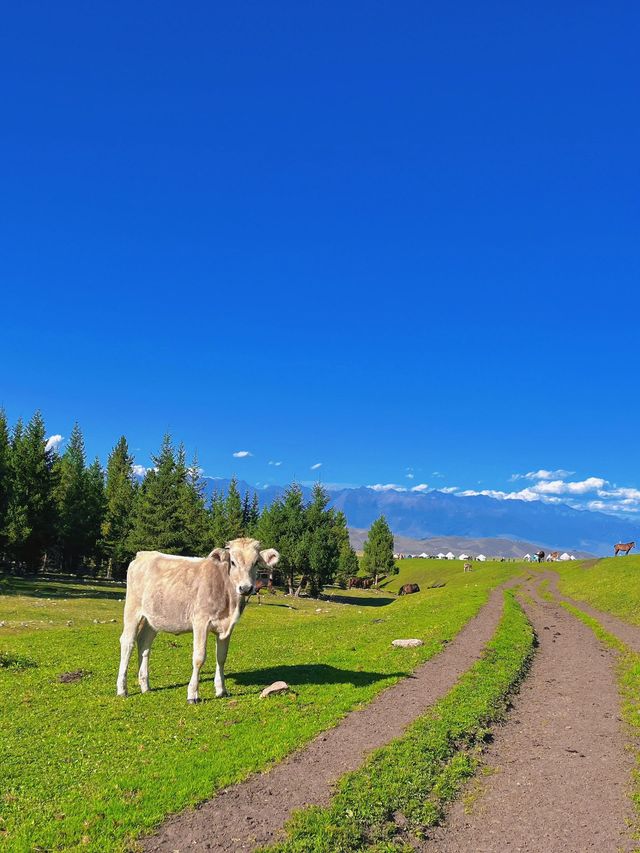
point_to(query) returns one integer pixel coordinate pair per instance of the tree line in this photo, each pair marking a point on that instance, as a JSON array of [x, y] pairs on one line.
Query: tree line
[[60, 513]]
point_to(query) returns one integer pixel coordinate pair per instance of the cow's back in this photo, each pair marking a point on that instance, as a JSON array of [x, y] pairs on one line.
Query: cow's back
[[168, 590]]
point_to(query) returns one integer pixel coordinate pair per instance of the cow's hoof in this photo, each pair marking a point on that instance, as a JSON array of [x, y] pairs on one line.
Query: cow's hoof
[[122, 695], [193, 701], [221, 695]]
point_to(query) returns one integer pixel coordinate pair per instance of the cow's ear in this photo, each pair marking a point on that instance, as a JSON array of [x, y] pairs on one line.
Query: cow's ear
[[270, 556], [222, 555]]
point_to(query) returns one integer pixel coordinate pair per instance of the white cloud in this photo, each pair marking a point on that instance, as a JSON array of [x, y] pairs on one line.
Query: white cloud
[[242, 454], [139, 470], [422, 487], [409, 476], [54, 442], [448, 490], [522, 495], [387, 487], [277, 464], [561, 487], [437, 474], [316, 466], [542, 474]]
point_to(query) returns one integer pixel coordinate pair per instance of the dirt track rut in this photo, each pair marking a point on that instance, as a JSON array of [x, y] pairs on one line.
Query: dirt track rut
[[559, 773]]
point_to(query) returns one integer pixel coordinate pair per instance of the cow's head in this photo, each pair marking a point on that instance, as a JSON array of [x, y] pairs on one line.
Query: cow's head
[[244, 558]]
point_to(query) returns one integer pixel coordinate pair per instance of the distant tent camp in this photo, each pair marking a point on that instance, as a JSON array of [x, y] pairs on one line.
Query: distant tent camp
[[527, 557], [442, 556], [481, 558], [424, 556], [451, 556], [565, 556], [464, 557], [572, 557]]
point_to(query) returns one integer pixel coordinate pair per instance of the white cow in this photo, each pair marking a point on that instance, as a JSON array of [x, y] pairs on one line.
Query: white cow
[[181, 594]]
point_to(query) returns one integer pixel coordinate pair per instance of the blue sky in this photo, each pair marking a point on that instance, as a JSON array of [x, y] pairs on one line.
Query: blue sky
[[387, 238]]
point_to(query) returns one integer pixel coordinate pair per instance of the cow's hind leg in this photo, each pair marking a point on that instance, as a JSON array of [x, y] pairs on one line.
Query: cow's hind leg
[[127, 641], [145, 638], [222, 647], [199, 657]]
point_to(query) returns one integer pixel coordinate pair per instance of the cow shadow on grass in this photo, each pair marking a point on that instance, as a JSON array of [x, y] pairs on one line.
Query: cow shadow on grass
[[311, 673], [297, 676]]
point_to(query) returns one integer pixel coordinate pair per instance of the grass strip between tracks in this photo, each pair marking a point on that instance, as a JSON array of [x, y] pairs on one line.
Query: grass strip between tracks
[[628, 677], [404, 786]]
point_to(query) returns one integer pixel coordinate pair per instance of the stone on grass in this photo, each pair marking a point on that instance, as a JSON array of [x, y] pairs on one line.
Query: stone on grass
[[407, 644], [274, 689]]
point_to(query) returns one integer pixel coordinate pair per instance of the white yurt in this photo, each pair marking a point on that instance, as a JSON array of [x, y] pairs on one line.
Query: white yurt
[[565, 556], [464, 557], [527, 558], [572, 557], [442, 556], [481, 558], [451, 556]]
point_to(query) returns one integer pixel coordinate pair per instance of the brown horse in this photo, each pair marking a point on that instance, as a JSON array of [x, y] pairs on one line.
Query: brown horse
[[554, 555], [623, 548]]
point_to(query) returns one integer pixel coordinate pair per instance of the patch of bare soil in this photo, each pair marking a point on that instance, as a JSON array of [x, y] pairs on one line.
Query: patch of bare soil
[[72, 677], [251, 813], [558, 773]]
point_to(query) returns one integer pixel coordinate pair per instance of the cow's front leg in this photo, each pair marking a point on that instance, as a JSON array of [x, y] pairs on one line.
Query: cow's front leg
[[222, 647], [199, 657]]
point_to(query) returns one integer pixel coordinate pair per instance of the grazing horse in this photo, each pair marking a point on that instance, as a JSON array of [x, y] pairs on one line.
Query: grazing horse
[[408, 589], [623, 548], [468, 567], [540, 556], [553, 556]]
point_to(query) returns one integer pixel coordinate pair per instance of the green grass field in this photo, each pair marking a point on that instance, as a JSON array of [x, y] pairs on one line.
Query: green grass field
[[82, 769], [612, 584]]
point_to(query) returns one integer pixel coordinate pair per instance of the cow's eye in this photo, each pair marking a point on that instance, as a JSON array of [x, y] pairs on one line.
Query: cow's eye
[[233, 563]]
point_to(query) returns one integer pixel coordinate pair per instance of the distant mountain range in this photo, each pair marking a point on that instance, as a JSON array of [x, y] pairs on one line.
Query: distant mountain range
[[436, 514], [458, 545]]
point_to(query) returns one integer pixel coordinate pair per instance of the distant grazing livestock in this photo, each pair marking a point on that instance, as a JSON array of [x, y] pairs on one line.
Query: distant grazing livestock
[[623, 548], [408, 588], [261, 584], [468, 567], [553, 556], [540, 556], [360, 583], [181, 594]]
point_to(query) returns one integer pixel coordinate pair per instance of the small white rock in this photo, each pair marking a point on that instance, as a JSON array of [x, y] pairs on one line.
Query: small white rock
[[274, 689], [407, 644]]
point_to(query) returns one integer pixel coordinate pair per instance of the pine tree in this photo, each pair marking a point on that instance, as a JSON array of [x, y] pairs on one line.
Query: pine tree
[[5, 480], [254, 515], [118, 517], [246, 511], [283, 526], [193, 512], [31, 510], [218, 521], [157, 514], [321, 540], [95, 505], [348, 565], [71, 501], [378, 550], [233, 511]]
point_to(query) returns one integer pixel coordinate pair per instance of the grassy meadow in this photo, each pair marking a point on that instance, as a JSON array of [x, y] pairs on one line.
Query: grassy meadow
[[83, 769], [611, 584]]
